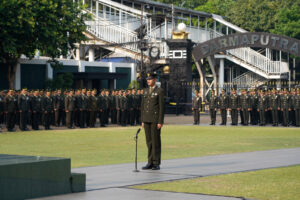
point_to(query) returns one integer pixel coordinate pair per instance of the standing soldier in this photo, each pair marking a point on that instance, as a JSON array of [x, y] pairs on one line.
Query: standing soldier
[[47, 107], [118, 99], [253, 98], [58, 107], [70, 108], [78, 107], [82, 109], [123, 108], [262, 107], [23, 104], [88, 111], [233, 107], [138, 112], [245, 107], [102, 107], [135, 106], [297, 107], [93, 108], [36, 109], [107, 111], [152, 121], [292, 116], [285, 107], [223, 106], [196, 105], [213, 106], [129, 112], [113, 111], [274, 101], [10, 107]]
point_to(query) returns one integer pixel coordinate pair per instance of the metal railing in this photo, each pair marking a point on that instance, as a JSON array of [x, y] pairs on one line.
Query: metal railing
[[249, 80]]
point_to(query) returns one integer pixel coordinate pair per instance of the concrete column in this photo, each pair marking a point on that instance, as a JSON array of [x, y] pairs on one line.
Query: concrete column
[[133, 71], [91, 54], [112, 69], [49, 71], [78, 53], [18, 77], [166, 28], [221, 74], [81, 66]]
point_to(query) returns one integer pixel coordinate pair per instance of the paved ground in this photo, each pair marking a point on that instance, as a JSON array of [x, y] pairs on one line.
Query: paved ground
[[112, 181]]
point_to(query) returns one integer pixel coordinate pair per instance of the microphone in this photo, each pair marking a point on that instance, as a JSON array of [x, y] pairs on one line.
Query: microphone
[[138, 131]]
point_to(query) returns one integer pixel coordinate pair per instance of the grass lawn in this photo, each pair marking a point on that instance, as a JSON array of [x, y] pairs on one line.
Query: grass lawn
[[270, 184], [100, 146]]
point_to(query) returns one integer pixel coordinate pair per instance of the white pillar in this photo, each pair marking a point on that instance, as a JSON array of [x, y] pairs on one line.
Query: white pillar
[[91, 54], [81, 66], [18, 77], [133, 72], [49, 71], [221, 74], [166, 28], [112, 69], [78, 53]]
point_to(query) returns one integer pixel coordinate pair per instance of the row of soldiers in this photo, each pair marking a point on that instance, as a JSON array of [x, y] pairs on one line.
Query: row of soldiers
[[255, 107], [70, 108]]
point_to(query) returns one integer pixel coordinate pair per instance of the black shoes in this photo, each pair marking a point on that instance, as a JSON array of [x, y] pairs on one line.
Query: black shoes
[[148, 166], [155, 167]]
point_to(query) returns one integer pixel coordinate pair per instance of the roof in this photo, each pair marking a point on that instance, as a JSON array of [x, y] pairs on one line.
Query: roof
[[169, 7]]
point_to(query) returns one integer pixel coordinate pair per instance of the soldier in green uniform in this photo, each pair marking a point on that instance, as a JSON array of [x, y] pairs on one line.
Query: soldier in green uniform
[[223, 106], [297, 107], [23, 105], [88, 114], [83, 108], [138, 112], [118, 98], [285, 106], [152, 108], [47, 108], [134, 99], [292, 116], [58, 107], [113, 109], [253, 98], [274, 101], [36, 109], [233, 107], [196, 106], [102, 106], [10, 107], [244, 105], [93, 108], [70, 108], [213, 106], [124, 108], [262, 107]]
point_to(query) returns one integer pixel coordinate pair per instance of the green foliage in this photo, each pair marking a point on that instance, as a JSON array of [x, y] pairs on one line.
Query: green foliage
[[134, 84], [62, 81]]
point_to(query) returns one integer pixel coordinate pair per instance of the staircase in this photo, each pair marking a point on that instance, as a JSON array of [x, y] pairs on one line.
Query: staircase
[[249, 80], [114, 23]]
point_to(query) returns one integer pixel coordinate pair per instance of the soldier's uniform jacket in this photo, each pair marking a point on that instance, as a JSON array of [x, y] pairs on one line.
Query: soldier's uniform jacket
[[113, 101], [130, 101], [23, 102], [196, 102], [262, 103], [59, 102], [123, 103], [107, 101], [84, 103], [92, 103], [292, 101], [102, 104], [233, 101], [36, 104], [118, 99], [274, 101], [139, 100], [223, 101], [213, 102], [70, 103], [244, 102], [134, 99], [152, 106], [285, 102], [297, 102], [253, 99], [10, 104], [47, 104]]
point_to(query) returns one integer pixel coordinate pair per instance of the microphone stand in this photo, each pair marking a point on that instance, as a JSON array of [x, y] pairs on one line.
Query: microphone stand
[[136, 142]]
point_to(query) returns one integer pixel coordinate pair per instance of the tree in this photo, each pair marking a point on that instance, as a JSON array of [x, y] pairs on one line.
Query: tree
[[51, 26]]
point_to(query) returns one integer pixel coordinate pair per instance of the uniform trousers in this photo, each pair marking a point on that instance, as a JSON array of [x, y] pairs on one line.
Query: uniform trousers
[[153, 141]]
